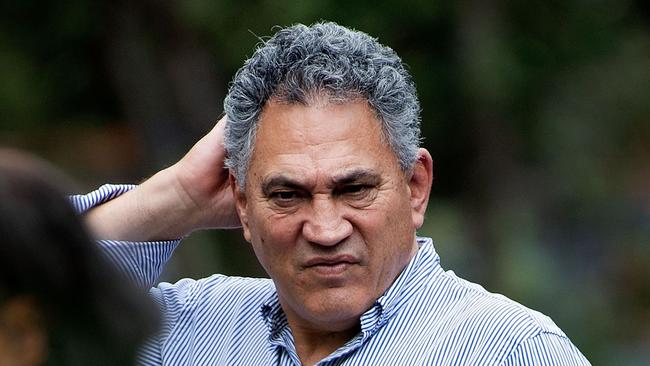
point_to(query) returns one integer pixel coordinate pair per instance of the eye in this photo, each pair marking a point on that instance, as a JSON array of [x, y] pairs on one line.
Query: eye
[[285, 195], [355, 190], [285, 198], [358, 195]]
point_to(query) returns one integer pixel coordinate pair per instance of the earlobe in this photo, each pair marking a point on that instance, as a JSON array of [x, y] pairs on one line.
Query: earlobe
[[420, 186], [240, 205]]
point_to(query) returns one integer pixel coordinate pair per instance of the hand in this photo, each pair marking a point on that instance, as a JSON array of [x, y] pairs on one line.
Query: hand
[[190, 195], [203, 181]]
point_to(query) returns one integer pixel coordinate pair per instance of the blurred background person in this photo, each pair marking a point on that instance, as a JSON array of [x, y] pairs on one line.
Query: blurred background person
[[59, 301]]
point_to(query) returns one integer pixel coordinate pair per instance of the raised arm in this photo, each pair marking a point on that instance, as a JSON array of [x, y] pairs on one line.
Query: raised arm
[[190, 195]]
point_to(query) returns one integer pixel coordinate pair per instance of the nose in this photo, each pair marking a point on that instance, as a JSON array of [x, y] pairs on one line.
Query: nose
[[325, 225]]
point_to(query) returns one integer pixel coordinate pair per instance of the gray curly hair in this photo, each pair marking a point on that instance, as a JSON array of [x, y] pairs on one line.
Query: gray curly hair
[[301, 62]]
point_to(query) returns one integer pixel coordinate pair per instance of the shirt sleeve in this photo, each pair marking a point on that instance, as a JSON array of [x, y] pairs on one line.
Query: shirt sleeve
[[546, 348], [141, 262]]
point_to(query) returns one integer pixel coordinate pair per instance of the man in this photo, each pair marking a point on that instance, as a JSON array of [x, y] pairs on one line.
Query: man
[[325, 176]]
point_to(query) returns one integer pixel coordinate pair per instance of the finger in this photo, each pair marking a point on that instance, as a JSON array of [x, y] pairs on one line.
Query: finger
[[219, 129]]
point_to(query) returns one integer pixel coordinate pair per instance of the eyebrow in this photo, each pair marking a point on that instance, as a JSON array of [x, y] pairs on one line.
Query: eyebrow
[[357, 176], [280, 180], [365, 176]]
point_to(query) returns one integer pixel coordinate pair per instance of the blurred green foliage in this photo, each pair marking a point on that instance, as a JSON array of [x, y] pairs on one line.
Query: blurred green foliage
[[536, 112]]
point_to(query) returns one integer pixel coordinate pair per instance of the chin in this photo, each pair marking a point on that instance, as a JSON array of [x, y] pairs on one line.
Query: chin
[[338, 310]]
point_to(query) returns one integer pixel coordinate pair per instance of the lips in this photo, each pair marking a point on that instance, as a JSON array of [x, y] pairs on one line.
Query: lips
[[333, 260], [331, 265]]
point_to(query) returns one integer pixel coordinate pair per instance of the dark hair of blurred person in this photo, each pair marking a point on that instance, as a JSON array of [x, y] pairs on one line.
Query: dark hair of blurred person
[[59, 301]]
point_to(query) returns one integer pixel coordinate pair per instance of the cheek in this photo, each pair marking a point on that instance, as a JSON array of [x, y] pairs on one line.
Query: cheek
[[273, 240], [278, 231], [389, 234]]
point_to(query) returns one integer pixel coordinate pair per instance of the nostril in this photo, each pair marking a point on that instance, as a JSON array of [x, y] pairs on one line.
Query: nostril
[[326, 225], [320, 234]]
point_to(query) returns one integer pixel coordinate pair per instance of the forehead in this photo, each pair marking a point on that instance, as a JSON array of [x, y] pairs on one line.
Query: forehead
[[322, 136]]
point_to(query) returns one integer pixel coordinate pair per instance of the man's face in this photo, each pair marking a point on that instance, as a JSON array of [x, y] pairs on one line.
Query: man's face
[[328, 210]]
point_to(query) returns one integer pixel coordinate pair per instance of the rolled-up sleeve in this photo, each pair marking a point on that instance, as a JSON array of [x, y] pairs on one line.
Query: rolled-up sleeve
[[141, 262]]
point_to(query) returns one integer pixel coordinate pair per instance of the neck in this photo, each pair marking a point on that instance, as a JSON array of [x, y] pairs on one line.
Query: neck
[[312, 346]]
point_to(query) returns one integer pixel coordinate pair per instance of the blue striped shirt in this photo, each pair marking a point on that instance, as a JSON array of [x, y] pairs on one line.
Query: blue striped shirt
[[428, 316]]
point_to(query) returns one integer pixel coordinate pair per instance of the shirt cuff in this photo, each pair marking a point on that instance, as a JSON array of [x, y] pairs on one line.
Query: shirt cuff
[[105, 193]]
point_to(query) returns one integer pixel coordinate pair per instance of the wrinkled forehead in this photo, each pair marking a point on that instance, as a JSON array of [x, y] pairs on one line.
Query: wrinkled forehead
[[321, 99], [324, 136]]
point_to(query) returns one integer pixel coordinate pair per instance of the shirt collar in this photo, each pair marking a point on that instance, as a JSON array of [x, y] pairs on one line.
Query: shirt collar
[[409, 281], [278, 327]]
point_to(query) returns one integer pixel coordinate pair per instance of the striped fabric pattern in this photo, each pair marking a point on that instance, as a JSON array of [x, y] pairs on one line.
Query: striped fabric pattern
[[429, 316]]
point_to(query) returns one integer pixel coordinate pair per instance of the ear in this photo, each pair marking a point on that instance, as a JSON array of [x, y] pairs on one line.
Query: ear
[[241, 204], [420, 186]]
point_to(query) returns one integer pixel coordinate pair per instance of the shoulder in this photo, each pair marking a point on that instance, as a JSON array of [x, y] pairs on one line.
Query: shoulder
[[217, 286], [545, 349], [216, 291], [212, 309], [494, 328], [503, 314]]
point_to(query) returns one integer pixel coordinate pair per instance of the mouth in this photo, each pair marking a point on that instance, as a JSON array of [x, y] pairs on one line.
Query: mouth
[[331, 266]]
